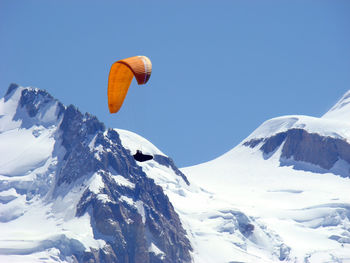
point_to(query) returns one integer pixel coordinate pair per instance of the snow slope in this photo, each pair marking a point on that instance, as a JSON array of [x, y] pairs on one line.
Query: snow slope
[[340, 111], [307, 212], [304, 209]]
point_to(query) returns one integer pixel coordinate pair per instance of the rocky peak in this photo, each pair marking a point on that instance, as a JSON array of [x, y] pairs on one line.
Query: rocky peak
[[33, 106], [89, 164]]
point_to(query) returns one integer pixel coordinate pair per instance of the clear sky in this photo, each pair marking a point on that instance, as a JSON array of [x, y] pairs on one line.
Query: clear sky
[[220, 68]]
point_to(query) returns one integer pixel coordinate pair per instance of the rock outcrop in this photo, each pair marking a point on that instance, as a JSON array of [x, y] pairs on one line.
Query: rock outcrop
[[298, 145]]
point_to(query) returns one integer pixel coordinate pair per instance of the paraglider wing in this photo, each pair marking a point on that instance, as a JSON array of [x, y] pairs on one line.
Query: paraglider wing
[[121, 75]]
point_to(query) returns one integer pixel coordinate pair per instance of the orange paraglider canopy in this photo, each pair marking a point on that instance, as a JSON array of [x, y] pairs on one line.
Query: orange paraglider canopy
[[121, 75]]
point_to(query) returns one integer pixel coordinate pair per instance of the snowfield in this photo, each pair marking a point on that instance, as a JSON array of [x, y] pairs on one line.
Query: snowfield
[[302, 209]]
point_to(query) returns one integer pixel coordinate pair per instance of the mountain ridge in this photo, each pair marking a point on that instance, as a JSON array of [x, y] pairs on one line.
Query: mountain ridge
[[70, 191], [80, 173], [291, 176]]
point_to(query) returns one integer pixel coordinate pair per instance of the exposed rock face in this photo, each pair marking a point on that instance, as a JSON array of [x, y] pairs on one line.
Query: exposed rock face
[[130, 217], [302, 146], [130, 229]]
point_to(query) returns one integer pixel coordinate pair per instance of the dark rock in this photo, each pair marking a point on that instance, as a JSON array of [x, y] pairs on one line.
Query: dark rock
[[284, 252], [253, 143], [302, 146], [11, 88], [244, 224]]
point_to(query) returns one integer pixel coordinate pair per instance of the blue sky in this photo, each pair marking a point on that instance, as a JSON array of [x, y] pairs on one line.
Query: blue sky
[[220, 68]]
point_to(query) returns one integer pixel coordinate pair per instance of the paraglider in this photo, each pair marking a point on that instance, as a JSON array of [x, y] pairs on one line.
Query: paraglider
[[121, 75], [140, 157]]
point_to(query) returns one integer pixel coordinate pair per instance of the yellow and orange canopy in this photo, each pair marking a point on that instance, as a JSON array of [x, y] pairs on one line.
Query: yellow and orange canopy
[[121, 75]]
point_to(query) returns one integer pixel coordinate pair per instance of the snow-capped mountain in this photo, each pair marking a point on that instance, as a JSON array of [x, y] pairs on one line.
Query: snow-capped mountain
[[71, 192], [290, 179]]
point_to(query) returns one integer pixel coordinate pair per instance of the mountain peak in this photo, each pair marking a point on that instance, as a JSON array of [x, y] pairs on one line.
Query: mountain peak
[[60, 165], [341, 110], [23, 107], [12, 87], [14, 91]]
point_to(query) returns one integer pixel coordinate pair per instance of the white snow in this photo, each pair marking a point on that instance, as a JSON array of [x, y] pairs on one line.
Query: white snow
[[335, 123], [153, 248], [8, 110], [127, 200], [96, 183], [29, 238], [324, 127], [141, 210], [51, 255], [139, 205], [97, 149], [134, 142], [104, 198], [8, 195], [341, 110], [22, 151], [121, 180]]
